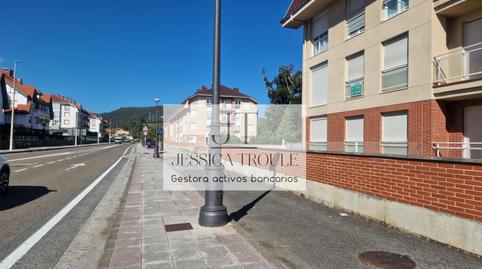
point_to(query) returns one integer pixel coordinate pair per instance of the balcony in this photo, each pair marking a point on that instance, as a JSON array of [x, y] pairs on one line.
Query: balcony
[[459, 73], [452, 8]]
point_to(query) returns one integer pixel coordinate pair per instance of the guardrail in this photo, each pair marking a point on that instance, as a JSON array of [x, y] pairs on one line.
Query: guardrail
[[460, 65], [464, 147]]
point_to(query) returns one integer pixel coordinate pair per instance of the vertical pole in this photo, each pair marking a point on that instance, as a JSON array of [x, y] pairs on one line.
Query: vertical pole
[[214, 213], [156, 148], [76, 127], [245, 128], [12, 116]]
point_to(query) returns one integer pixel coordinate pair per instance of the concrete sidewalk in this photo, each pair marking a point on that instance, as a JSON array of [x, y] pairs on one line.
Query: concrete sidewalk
[[142, 240]]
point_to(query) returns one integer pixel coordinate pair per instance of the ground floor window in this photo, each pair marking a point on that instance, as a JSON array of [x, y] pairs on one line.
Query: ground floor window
[[394, 133], [318, 133], [354, 134]]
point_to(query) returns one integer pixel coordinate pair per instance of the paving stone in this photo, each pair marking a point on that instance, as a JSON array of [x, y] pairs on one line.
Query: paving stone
[[190, 264]]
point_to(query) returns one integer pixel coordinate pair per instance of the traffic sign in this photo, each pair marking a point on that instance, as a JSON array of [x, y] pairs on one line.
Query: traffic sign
[[160, 131]]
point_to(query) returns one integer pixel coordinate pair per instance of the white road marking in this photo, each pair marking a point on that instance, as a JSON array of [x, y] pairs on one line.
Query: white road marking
[[20, 170], [75, 166], [51, 162], [39, 165], [18, 253], [43, 156], [61, 160], [56, 154]]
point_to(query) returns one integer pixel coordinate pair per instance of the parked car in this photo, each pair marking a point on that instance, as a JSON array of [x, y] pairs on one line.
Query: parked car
[[4, 174], [150, 144]]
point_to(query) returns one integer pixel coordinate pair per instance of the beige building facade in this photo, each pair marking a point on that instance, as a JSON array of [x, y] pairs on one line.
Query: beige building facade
[[189, 122], [392, 76]]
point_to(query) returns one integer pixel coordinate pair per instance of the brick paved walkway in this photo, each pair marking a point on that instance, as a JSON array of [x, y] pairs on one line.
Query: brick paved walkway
[[143, 242]]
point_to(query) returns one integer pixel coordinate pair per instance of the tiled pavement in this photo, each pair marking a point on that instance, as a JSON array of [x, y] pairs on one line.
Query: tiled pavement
[[143, 242]]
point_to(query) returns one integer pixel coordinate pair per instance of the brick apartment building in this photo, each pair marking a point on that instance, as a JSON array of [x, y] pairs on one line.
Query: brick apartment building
[[390, 85], [399, 77]]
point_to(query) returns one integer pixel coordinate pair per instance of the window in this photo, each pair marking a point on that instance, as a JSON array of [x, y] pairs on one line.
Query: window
[[472, 34], [356, 18], [393, 7], [394, 133], [354, 134], [237, 104], [320, 34], [318, 133], [66, 108], [319, 85], [355, 74], [395, 64]]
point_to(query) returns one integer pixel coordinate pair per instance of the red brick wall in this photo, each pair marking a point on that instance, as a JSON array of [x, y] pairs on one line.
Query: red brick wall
[[428, 121], [452, 188]]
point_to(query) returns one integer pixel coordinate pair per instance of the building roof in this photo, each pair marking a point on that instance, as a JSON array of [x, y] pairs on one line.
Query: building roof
[[294, 6], [225, 92]]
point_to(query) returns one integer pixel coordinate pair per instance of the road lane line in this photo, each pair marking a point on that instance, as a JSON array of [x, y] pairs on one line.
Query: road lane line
[[51, 162], [56, 154], [20, 251], [39, 165], [61, 160], [43, 156], [20, 170]]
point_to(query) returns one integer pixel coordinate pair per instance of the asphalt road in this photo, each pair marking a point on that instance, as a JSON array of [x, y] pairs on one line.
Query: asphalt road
[[42, 183]]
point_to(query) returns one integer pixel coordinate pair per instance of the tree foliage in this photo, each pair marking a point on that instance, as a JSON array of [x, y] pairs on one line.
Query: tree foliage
[[285, 87]]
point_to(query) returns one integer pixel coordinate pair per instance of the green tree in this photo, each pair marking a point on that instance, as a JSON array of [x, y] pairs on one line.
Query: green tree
[[285, 87]]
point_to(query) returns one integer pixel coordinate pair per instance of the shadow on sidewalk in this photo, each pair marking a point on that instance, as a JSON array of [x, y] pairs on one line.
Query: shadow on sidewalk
[[19, 195], [236, 216]]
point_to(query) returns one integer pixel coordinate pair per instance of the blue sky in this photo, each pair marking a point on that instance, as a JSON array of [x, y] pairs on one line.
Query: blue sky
[[110, 54]]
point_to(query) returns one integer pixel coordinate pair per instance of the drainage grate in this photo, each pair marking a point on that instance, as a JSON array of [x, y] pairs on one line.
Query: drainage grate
[[386, 260], [178, 227]]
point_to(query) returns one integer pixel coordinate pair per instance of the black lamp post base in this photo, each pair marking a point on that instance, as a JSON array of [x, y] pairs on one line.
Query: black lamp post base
[[213, 216]]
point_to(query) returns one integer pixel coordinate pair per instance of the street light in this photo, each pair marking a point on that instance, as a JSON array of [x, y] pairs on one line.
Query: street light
[[156, 148], [13, 103], [214, 213]]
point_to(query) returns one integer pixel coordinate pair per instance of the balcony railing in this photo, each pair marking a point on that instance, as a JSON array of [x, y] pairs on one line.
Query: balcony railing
[[467, 150], [458, 66], [356, 25], [354, 88]]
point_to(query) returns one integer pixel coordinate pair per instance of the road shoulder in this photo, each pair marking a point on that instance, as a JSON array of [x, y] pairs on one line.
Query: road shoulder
[[87, 248]]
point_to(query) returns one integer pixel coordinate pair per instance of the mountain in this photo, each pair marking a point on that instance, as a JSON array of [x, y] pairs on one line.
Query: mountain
[[126, 114]]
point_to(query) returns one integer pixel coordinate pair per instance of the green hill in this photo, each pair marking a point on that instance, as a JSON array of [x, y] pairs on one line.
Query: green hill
[[132, 118]]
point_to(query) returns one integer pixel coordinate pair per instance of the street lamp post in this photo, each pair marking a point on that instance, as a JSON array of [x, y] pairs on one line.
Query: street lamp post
[[12, 118], [156, 148], [214, 213]]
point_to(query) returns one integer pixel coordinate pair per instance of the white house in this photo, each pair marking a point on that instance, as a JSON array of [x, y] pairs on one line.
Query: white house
[[33, 109]]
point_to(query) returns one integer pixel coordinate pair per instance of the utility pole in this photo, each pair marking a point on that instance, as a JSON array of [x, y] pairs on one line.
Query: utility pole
[[12, 118], [156, 148], [214, 213], [76, 127]]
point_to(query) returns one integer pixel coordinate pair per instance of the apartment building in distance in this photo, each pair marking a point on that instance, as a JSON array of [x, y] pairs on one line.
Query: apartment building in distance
[[68, 117], [401, 77], [189, 122]]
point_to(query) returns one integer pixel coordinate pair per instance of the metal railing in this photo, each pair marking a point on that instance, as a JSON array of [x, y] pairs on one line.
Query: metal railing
[[354, 88], [356, 25], [460, 65], [467, 150]]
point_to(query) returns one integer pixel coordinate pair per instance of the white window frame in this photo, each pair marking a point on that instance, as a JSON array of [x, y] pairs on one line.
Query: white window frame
[[321, 142], [323, 101], [356, 145], [317, 44], [400, 143], [357, 80], [399, 68], [350, 18], [400, 9]]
